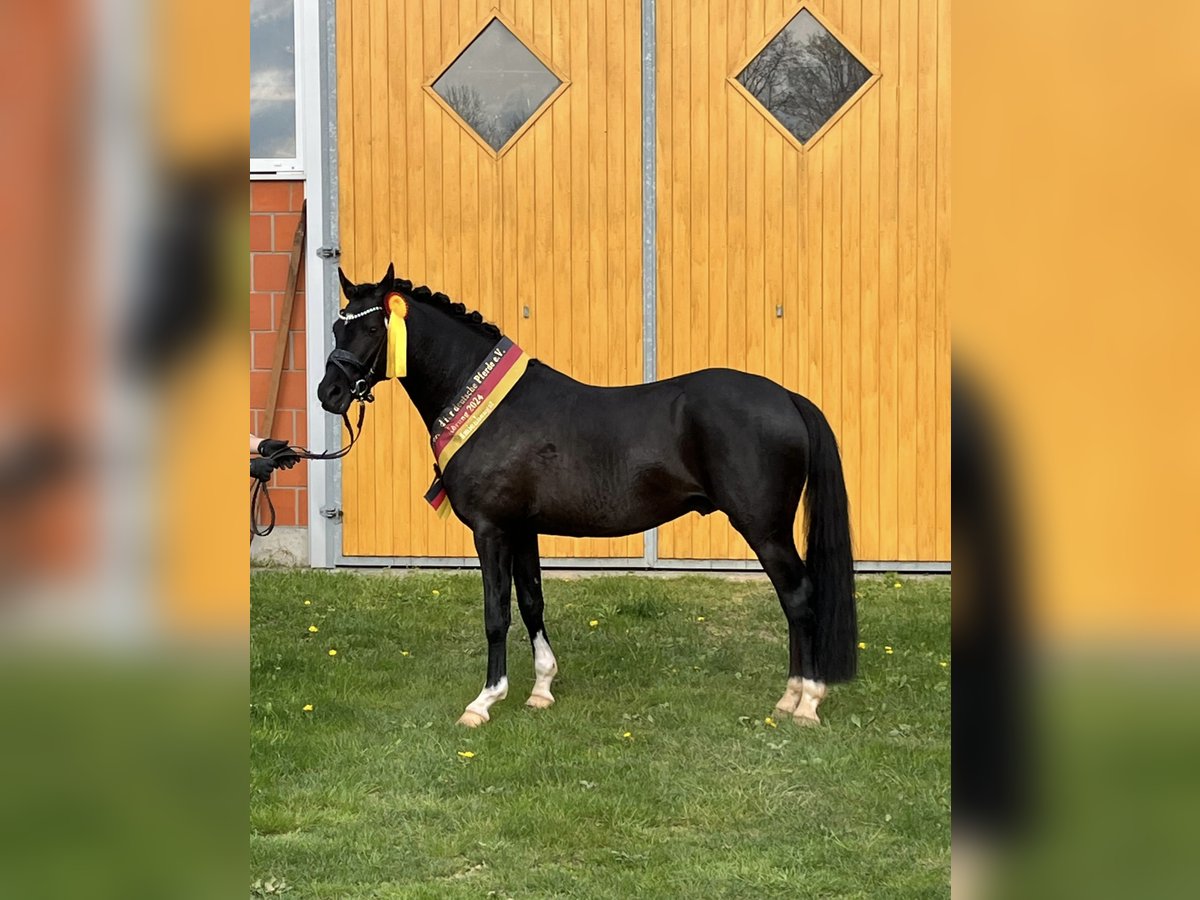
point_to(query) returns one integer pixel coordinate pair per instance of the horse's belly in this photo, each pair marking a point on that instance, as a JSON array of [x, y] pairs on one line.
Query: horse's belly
[[629, 507]]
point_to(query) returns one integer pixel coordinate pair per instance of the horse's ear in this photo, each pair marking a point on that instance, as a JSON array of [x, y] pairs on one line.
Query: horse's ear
[[347, 284], [389, 278]]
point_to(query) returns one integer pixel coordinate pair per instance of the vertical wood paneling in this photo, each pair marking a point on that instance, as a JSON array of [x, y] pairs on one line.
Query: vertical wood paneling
[[554, 224], [889, 269], [942, 317], [850, 235], [906, 360], [866, 513]]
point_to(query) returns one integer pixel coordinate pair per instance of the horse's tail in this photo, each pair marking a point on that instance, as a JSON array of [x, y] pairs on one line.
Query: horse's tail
[[830, 555]]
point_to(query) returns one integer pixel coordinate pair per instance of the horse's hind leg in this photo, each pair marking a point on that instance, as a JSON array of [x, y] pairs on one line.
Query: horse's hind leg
[[790, 579], [527, 572]]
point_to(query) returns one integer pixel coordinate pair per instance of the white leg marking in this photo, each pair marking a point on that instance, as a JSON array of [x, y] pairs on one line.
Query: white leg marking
[[789, 701], [545, 667], [814, 693], [477, 710]]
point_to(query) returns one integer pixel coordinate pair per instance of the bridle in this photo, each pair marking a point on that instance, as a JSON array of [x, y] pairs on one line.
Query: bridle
[[358, 373]]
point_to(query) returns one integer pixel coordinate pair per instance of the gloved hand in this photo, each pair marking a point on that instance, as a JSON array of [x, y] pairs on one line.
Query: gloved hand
[[280, 453], [261, 468]]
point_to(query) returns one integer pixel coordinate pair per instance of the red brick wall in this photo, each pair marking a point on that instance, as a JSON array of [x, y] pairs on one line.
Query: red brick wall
[[274, 212]]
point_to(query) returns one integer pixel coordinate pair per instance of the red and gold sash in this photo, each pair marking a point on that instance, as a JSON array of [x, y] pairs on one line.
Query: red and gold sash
[[495, 377]]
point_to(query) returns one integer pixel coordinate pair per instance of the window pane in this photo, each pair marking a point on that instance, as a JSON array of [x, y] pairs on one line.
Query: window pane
[[804, 76], [272, 80], [496, 84]]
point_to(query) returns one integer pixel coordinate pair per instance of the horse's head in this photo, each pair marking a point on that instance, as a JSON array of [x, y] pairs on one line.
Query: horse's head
[[358, 361]]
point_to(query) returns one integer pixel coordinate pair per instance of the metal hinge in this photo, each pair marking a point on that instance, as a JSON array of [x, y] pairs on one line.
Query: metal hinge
[[330, 252], [331, 512]]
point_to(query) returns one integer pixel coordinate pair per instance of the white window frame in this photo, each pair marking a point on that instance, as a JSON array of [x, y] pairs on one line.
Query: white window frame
[[289, 169]]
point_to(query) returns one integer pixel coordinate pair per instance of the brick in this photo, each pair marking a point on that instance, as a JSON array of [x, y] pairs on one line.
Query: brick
[[297, 195], [260, 233], [284, 426], [259, 381], [270, 271], [297, 323], [285, 231], [262, 354], [296, 476], [262, 316], [292, 390], [302, 506], [284, 499], [296, 358], [300, 426], [270, 196]]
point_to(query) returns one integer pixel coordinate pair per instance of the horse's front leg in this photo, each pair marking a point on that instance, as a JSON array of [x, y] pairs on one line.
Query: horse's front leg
[[527, 572], [495, 559]]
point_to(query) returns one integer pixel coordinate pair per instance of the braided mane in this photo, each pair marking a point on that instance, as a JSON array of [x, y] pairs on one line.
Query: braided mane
[[472, 318]]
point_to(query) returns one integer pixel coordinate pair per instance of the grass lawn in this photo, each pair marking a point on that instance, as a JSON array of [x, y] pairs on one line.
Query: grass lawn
[[370, 794]]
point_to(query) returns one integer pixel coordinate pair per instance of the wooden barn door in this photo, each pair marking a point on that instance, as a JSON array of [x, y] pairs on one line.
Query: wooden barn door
[[810, 245], [539, 229]]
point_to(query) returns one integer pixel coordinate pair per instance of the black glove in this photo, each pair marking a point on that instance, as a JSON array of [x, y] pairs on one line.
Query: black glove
[[261, 468], [279, 452]]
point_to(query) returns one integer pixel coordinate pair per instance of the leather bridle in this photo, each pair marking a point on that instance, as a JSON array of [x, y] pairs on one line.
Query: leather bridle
[[359, 375], [357, 372]]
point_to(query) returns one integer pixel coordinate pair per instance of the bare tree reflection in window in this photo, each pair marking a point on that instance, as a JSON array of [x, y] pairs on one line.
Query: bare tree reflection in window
[[803, 76], [496, 84]]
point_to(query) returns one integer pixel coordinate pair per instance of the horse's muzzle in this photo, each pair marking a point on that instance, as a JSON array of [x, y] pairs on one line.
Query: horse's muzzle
[[335, 396]]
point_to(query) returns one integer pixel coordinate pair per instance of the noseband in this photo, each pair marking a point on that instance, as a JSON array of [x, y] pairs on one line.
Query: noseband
[[357, 372]]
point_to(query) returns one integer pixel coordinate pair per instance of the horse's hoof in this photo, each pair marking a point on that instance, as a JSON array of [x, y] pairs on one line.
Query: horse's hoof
[[471, 719], [539, 701], [787, 705], [806, 720]]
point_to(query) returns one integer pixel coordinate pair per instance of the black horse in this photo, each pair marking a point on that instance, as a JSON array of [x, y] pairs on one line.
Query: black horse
[[564, 458]]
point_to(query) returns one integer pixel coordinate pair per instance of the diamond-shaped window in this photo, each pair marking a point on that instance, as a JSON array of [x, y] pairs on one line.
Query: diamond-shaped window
[[496, 84], [803, 76]]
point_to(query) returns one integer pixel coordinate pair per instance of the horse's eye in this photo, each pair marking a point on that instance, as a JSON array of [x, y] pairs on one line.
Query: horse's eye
[[374, 329]]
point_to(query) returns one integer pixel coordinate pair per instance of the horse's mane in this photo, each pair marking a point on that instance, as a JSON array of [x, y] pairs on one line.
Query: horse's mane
[[458, 311]]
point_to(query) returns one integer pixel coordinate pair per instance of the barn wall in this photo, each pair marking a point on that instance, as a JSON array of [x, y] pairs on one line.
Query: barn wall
[[274, 213], [552, 226], [849, 235]]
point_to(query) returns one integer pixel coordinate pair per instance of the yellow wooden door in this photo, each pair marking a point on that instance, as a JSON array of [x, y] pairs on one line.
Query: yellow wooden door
[[543, 237], [845, 233]]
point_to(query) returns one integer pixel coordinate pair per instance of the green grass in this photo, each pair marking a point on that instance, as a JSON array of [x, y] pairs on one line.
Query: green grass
[[367, 795]]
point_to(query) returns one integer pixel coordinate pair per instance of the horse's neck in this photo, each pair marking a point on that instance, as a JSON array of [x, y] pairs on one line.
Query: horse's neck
[[442, 355]]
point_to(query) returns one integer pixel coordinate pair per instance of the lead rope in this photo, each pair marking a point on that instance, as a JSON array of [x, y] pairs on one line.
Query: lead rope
[[259, 491]]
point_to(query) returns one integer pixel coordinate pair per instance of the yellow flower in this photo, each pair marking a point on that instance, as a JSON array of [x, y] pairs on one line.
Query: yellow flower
[[313, 629], [628, 734], [769, 721], [887, 650], [466, 754], [404, 653], [308, 707], [862, 645], [308, 603], [332, 652], [699, 618], [896, 585], [438, 593], [594, 623], [944, 664]]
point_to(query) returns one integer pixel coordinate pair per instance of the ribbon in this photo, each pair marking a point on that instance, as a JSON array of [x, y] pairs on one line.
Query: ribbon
[[485, 389], [397, 339], [436, 497]]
